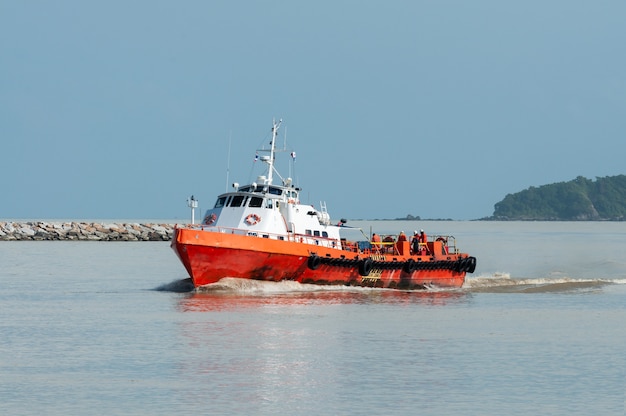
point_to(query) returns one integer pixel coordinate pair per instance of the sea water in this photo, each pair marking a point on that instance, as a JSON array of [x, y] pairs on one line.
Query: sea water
[[113, 328]]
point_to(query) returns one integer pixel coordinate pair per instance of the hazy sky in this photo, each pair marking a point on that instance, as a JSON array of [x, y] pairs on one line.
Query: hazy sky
[[123, 109]]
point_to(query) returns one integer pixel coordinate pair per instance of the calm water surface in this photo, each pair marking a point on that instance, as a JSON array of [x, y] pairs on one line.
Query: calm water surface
[[111, 328]]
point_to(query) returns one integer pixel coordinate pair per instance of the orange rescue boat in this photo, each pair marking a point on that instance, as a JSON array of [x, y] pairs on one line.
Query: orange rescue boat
[[261, 231]]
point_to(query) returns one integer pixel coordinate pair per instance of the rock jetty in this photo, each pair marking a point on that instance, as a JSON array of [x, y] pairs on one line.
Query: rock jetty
[[84, 231]]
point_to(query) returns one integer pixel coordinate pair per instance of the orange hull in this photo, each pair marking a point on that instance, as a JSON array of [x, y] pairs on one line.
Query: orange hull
[[210, 256]]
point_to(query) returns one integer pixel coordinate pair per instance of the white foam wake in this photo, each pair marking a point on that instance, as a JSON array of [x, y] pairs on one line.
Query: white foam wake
[[498, 282], [504, 283], [231, 284]]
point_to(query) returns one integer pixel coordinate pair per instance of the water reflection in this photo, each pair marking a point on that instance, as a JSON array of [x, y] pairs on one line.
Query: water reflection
[[280, 343], [199, 301]]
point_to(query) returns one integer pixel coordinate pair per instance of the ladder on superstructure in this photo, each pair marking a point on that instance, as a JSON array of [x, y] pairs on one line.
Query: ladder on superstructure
[[324, 211], [323, 207]]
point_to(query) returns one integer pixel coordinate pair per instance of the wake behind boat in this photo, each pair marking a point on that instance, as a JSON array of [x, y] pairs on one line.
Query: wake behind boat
[[262, 231]]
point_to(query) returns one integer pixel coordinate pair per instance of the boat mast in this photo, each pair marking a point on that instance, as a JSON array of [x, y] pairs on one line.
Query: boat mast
[[275, 127]]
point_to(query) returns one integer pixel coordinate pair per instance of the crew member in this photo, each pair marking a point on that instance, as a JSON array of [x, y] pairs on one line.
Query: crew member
[[376, 241], [423, 239], [415, 242]]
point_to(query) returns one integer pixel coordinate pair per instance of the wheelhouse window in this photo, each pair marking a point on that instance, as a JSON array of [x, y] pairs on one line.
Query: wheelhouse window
[[256, 202], [237, 201], [221, 201], [275, 191]]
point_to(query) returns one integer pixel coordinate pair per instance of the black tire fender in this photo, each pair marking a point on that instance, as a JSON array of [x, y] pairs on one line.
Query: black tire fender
[[365, 267], [409, 266], [314, 262], [471, 264]]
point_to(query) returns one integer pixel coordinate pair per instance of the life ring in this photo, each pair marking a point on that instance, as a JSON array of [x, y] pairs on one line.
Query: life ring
[[253, 219], [210, 219]]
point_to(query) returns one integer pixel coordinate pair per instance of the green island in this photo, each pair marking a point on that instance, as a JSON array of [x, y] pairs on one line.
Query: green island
[[580, 199]]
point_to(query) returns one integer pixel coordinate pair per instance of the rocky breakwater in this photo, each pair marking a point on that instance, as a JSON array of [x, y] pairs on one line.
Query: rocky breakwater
[[84, 231]]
